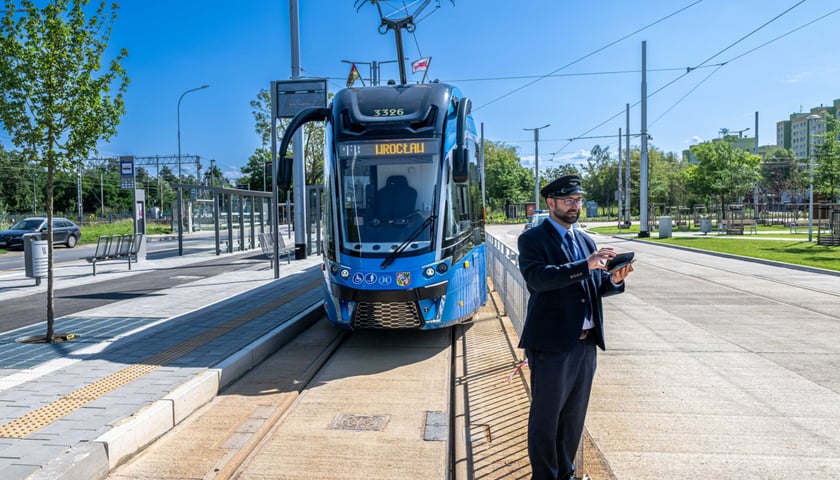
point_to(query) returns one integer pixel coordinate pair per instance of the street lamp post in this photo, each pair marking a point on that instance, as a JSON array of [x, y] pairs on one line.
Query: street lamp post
[[537, 164], [811, 174], [180, 181]]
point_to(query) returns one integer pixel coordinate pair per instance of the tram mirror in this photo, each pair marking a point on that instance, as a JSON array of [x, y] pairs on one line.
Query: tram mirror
[[460, 156], [284, 172]]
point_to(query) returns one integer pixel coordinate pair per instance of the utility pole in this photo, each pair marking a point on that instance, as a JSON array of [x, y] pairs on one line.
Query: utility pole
[[298, 175], [629, 211], [537, 164], [811, 172], [620, 191], [644, 231], [755, 184]]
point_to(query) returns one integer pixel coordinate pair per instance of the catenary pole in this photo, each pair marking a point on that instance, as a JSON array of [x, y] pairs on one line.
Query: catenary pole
[[537, 164], [643, 158], [629, 210], [620, 192], [299, 174]]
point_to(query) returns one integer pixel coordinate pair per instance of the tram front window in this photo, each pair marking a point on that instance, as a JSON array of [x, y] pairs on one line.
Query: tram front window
[[383, 201]]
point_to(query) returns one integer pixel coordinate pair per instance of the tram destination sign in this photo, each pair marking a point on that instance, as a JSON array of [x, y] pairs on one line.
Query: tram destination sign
[[292, 96], [398, 148]]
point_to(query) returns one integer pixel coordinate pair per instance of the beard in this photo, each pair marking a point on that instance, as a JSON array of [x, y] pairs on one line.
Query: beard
[[570, 216]]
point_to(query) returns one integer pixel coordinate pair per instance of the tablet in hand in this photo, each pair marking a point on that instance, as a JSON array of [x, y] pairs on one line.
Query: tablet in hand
[[620, 260]]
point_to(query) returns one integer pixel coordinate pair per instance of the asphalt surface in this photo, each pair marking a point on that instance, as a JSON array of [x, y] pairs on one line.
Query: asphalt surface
[[71, 298]]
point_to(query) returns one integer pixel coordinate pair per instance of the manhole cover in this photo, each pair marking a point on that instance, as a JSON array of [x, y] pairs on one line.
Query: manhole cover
[[349, 421]]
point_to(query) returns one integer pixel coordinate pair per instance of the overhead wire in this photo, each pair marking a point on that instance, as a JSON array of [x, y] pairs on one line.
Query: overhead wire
[[475, 108], [579, 74], [702, 64]]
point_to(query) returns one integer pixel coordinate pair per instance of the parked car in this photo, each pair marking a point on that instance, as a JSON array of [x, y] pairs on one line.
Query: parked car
[[64, 232], [537, 218]]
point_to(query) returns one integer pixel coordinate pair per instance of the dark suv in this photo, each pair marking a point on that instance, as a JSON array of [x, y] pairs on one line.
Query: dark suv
[[64, 232]]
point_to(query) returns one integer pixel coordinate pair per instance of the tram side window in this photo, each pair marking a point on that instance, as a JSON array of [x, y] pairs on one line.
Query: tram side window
[[457, 209]]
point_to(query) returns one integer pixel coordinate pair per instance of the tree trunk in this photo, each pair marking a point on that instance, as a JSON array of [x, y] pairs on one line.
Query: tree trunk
[[50, 277]]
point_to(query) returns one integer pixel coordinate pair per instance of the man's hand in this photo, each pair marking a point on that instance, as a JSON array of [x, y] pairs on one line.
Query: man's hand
[[599, 259], [619, 275]]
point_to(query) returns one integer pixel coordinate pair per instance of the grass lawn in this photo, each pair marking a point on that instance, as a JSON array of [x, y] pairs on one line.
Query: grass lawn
[[92, 232], [794, 249], [789, 251]]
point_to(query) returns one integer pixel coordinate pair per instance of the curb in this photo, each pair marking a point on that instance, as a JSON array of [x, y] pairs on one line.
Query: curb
[[124, 441]]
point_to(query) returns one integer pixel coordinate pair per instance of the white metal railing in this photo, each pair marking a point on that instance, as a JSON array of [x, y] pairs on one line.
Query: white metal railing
[[503, 268]]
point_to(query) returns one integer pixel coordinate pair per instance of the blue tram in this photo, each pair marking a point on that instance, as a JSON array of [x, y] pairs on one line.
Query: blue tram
[[404, 214]]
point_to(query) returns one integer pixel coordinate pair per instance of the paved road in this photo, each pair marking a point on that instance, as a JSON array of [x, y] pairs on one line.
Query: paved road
[[165, 247]]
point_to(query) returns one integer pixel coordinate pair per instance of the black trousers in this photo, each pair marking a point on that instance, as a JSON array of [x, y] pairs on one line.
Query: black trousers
[[560, 387]]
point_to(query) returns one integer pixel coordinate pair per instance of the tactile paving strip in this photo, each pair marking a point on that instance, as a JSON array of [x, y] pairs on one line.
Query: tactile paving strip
[[35, 420]]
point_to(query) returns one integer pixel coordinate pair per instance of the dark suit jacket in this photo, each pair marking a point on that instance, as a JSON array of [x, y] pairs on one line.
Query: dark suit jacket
[[558, 300]]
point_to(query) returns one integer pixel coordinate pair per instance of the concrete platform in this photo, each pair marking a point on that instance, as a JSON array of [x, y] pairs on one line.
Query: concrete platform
[[76, 409]]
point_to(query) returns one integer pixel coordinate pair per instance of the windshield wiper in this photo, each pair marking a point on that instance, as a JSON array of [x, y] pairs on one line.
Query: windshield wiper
[[396, 253]]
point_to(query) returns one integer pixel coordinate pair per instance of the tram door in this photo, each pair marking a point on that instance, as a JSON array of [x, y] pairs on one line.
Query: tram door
[[314, 217]]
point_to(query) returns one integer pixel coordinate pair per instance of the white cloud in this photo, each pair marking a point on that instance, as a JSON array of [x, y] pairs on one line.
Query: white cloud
[[695, 140], [798, 77]]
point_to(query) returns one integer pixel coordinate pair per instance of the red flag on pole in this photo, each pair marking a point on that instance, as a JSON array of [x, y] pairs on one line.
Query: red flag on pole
[[421, 64], [353, 76]]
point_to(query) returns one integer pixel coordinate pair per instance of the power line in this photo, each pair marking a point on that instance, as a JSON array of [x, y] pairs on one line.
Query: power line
[[587, 55], [785, 34], [580, 74], [751, 33], [691, 69], [686, 95]]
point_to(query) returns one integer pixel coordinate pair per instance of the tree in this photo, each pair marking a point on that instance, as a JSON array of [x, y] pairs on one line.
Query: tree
[[313, 146], [724, 172], [600, 175], [214, 177], [16, 180], [780, 172], [55, 93], [505, 178], [258, 170], [827, 160]]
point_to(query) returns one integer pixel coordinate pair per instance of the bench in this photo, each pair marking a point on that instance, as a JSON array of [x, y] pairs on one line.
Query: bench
[[267, 246], [116, 247], [737, 227], [818, 225]]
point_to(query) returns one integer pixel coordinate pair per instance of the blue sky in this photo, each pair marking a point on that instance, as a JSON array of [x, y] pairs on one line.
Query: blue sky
[[238, 48]]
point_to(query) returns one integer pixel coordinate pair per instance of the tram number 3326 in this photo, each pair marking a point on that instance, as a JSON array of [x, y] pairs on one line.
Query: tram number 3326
[[388, 112]]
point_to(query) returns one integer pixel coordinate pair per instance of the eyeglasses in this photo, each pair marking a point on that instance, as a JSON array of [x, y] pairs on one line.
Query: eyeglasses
[[570, 201]]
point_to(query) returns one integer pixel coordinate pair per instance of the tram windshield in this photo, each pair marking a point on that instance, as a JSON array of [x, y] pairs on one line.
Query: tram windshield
[[387, 190]]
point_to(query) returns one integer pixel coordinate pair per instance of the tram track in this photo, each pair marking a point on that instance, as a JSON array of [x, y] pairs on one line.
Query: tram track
[[369, 404], [402, 375]]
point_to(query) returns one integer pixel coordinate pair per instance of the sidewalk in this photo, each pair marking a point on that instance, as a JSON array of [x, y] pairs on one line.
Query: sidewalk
[[73, 410]]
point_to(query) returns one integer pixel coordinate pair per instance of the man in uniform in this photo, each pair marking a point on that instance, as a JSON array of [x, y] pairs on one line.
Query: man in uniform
[[566, 277]]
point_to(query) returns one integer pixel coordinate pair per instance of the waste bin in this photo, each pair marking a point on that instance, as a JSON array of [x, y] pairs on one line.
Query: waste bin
[[664, 227], [35, 256], [705, 225], [591, 209]]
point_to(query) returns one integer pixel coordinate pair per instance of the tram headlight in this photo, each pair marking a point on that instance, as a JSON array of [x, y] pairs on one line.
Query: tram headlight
[[345, 273], [442, 268], [429, 272], [334, 269]]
